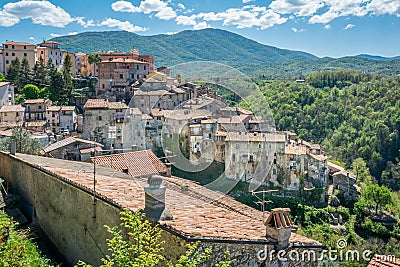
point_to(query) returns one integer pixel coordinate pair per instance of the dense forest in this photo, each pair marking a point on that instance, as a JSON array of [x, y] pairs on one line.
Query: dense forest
[[352, 114]]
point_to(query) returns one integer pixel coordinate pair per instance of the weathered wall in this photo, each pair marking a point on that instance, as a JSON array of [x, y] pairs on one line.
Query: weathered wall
[[63, 211]]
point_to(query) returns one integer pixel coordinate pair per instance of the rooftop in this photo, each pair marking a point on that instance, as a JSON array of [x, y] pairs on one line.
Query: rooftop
[[384, 261], [96, 103], [295, 149], [65, 142], [12, 108], [233, 119], [198, 213], [54, 108], [254, 137], [4, 83], [36, 101], [137, 163]]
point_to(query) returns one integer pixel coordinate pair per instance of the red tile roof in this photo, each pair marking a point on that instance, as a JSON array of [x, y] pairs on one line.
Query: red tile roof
[[198, 212], [12, 108], [384, 261], [103, 104], [96, 103], [138, 163], [35, 101]]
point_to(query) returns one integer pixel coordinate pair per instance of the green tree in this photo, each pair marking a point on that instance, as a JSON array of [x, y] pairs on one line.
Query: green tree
[[39, 73], [93, 59], [13, 74], [31, 91], [2, 78], [67, 80], [136, 242], [378, 196], [25, 72], [24, 142], [56, 83], [360, 169]]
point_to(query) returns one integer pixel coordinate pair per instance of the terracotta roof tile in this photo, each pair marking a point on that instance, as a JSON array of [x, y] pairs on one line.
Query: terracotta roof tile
[[117, 105], [384, 261], [138, 163], [197, 211], [12, 108], [96, 103]]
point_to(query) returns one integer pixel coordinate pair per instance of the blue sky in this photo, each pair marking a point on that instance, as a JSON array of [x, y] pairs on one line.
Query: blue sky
[[332, 28]]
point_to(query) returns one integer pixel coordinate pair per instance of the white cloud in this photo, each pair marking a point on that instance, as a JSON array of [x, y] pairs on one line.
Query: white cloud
[[381, 7], [85, 24], [40, 12], [121, 25], [32, 38], [181, 6], [160, 8], [245, 17], [170, 33], [332, 9], [7, 19], [186, 20], [297, 30], [247, 1], [72, 33], [327, 27], [301, 8], [55, 35], [349, 26], [201, 25]]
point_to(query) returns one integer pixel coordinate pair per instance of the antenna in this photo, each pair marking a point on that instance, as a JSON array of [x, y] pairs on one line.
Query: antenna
[[263, 201]]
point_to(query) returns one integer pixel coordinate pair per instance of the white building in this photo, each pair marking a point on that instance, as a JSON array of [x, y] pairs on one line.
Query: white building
[[6, 94]]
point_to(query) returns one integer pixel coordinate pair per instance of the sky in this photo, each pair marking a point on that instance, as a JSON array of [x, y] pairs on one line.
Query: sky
[[333, 28]]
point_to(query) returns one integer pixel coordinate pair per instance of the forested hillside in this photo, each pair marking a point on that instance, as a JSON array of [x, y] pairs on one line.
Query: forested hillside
[[208, 44], [352, 114]]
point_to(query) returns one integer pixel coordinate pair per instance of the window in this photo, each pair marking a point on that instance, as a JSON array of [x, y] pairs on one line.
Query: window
[[6, 53], [7, 61], [274, 171], [41, 52], [12, 47], [103, 86], [40, 107], [100, 118], [233, 157], [6, 46], [144, 67], [13, 54], [121, 76], [25, 54], [51, 52], [24, 46], [110, 76]]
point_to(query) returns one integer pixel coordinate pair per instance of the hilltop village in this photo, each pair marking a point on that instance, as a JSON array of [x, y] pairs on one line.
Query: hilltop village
[[131, 110], [131, 103]]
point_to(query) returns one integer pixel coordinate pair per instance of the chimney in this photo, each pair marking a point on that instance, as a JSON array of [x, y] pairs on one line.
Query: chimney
[[169, 167], [279, 227], [134, 148], [155, 199]]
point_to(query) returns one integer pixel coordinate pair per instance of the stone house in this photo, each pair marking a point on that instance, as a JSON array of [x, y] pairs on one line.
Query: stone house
[[103, 122], [294, 162], [245, 151], [71, 148], [12, 114], [53, 118], [68, 118], [6, 94], [35, 109]]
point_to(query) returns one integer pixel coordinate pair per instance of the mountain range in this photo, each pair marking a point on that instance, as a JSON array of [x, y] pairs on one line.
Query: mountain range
[[224, 47]]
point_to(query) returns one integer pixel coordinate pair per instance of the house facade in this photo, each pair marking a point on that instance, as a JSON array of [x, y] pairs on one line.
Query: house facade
[[6, 94], [20, 50]]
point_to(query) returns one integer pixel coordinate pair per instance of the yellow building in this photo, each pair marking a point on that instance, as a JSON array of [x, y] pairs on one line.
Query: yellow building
[[13, 50]]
